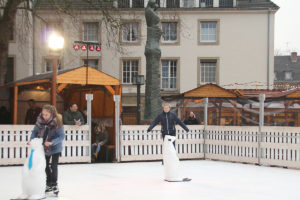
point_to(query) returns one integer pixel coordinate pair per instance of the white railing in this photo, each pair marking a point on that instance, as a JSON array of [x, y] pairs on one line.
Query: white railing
[[14, 148], [137, 144], [278, 146]]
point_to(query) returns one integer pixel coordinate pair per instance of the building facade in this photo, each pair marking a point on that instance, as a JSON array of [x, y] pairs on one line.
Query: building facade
[[225, 42]]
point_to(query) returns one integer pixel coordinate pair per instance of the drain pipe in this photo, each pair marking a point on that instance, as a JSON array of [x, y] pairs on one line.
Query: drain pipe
[[33, 43], [205, 126], [268, 52]]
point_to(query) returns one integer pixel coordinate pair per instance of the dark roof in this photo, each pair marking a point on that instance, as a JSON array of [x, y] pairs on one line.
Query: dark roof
[[72, 4], [68, 5], [42, 76], [256, 4], [284, 64]]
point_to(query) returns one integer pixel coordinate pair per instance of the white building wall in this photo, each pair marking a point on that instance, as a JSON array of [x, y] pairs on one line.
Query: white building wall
[[242, 48]]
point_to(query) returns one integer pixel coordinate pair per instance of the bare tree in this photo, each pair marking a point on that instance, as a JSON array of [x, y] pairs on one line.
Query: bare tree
[[9, 9], [278, 52], [7, 19]]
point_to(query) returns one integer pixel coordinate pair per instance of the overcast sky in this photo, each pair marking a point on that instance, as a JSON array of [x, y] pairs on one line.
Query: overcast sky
[[287, 26]]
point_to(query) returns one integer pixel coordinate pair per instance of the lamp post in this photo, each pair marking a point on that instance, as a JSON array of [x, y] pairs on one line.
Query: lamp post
[[87, 46], [138, 80], [55, 43]]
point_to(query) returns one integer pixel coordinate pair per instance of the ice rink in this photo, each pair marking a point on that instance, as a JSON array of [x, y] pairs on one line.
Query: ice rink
[[212, 180]]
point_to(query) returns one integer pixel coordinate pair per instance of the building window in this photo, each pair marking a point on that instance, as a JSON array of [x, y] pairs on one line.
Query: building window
[[158, 3], [90, 31], [130, 32], [169, 75], [225, 3], [173, 4], [288, 76], [208, 71], [275, 76], [206, 3], [12, 34], [9, 76], [188, 3], [94, 63], [124, 3], [208, 32], [138, 3], [49, 65], [130, 69], [50, 28], [53, 27], [169, 31]]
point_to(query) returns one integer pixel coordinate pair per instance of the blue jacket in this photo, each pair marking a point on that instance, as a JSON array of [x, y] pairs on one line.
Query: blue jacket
[[168, 122], [56, 136]]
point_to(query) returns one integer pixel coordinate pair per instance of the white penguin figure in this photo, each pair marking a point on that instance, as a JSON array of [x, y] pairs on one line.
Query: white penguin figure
[[34, 176], [171, 161]]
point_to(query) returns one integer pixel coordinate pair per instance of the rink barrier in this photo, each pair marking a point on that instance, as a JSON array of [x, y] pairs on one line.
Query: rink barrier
[[137, 144], [272, 146], [14, 148]]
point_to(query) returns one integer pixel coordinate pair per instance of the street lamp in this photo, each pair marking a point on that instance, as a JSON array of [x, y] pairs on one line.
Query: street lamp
[[55, 43], [138, 80]]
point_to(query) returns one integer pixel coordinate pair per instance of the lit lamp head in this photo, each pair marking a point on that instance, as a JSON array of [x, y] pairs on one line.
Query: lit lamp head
[[55, 42]]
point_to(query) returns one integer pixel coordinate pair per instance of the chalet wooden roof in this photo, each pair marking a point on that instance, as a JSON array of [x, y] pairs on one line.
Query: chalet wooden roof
[[70, 76], [272, 93], [215, 91], [210, 90]]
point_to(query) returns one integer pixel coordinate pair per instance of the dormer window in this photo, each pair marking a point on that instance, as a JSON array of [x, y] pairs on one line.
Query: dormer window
[[288, 76]]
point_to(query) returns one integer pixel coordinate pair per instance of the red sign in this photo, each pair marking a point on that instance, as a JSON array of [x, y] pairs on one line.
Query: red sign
[[83, 48], [98, 48], [92, 48], [76, 47]]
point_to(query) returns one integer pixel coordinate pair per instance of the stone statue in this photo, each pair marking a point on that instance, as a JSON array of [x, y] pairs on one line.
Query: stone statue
[[153, 55]]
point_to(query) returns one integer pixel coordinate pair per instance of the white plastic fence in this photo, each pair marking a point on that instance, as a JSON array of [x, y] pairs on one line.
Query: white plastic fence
[[14, 148], [137, 144], [278, 146]]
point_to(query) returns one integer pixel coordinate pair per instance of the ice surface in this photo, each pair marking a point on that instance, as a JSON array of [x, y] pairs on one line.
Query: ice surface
[[212, 180]]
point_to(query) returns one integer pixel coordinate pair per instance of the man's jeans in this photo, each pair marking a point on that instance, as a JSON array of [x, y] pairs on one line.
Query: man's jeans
[[94, 149]]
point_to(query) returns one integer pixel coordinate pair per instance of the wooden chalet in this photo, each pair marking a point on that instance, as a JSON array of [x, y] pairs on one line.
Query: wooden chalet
[[241, 107], [72, 86]]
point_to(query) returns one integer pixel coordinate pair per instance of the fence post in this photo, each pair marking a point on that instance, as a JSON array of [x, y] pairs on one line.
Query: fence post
[[262, 98], [89, 98], [205, 126], [117, 127]]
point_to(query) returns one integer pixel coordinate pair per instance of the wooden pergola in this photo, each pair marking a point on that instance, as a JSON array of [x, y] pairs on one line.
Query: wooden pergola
[[71, 83], [219, 96], [211, 91]]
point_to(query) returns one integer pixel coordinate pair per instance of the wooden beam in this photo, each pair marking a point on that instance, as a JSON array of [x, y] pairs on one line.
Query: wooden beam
[[287, 104], [110, 89], [234, 111], [61, 87], [53, 85], [15, 105], [25, 83]]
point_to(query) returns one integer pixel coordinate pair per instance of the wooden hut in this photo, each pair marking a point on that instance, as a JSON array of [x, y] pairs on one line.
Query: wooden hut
[[72, 85], [231, 107]]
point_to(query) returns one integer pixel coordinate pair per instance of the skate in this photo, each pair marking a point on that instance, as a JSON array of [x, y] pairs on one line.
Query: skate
[[48, 189], [55, 190]]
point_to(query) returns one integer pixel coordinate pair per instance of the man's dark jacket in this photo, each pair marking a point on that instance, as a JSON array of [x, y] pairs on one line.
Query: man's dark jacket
[[70, 117], [191, 121], [168, 122]]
